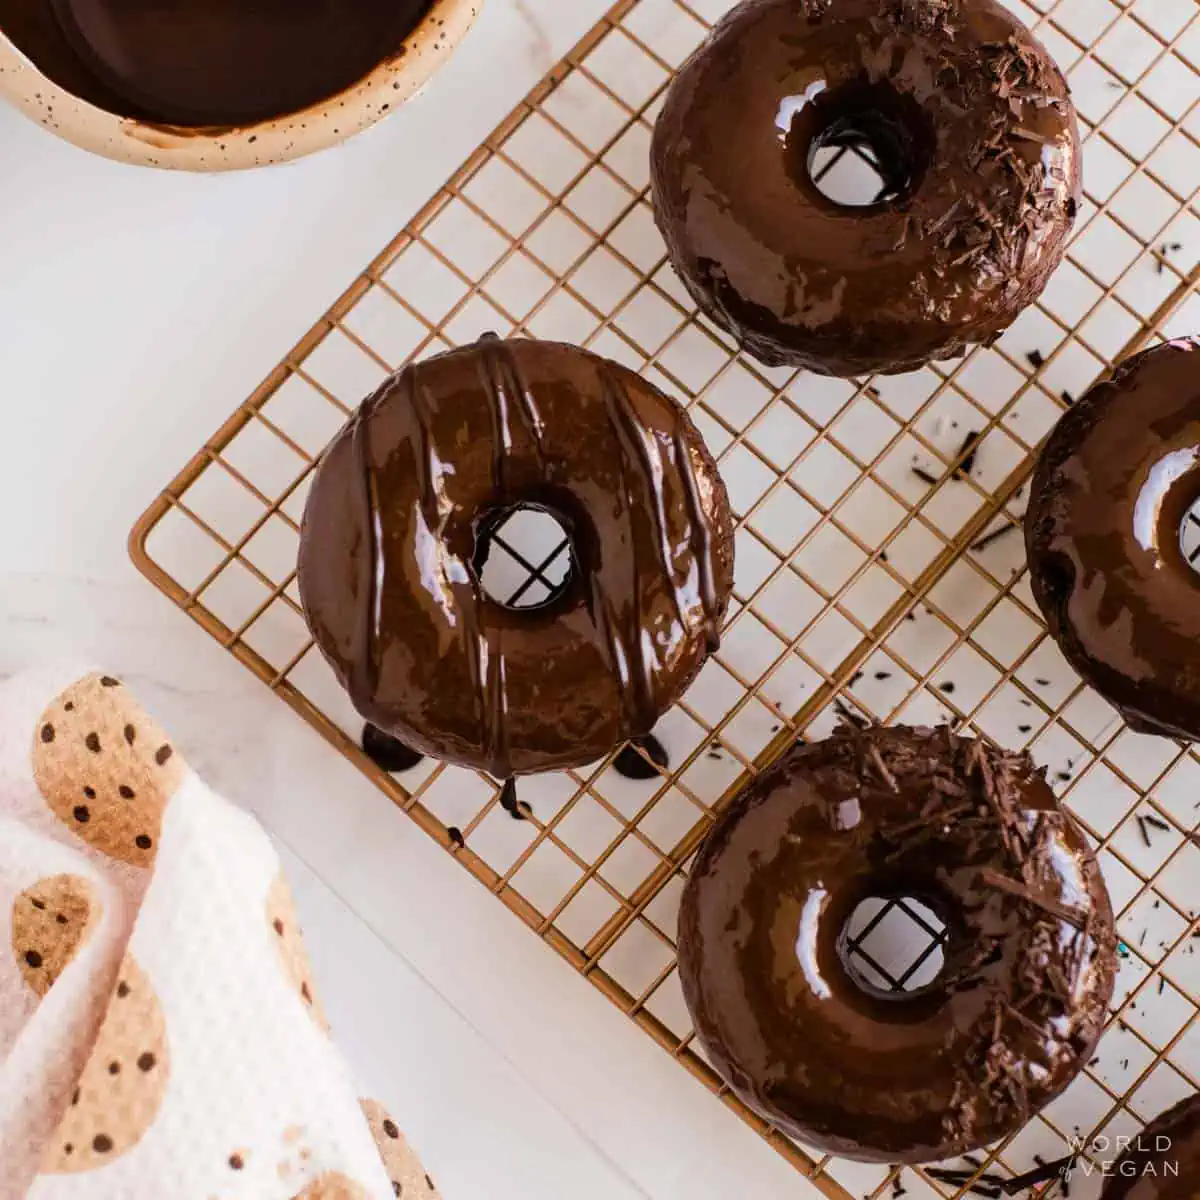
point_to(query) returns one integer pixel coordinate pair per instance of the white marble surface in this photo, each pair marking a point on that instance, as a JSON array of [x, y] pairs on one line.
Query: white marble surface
[[136, 310]]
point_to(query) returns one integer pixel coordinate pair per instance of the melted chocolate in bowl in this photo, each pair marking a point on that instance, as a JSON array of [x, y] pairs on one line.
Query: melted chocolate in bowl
[[208, 62]]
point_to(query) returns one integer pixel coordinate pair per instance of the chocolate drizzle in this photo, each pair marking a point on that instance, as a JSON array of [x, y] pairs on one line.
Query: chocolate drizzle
[[971, 125], [1112, 487], [370, 574], [977, 836], [404, 501]]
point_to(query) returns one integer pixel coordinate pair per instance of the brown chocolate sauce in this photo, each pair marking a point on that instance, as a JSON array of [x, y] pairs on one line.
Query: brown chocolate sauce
[[1112, 487], [974, 834], [209, 62], [978, 150], [390, 547]]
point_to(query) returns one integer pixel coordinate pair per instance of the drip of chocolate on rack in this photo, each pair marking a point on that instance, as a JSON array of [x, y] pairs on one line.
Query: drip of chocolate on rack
[[643, 758], [388, 753], [511, 803]]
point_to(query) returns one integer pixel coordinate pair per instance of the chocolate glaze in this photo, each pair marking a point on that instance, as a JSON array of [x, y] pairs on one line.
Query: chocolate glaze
[[1109, 494], [977, 836], [390, 583], [208, 62], [977, 140], [1173, 1173]]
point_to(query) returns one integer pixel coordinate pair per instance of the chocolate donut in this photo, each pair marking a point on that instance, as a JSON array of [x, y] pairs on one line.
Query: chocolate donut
[[1112, 487], [971, 832], [400, 519], [976, 142], [1163, 1161]]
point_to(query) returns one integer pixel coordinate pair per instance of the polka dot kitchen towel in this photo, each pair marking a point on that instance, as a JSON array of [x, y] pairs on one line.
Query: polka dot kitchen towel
[[161, 1037]]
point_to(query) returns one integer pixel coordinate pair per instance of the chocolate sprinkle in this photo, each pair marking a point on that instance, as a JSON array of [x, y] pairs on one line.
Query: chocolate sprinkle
[[968, 452], [1141, 824]]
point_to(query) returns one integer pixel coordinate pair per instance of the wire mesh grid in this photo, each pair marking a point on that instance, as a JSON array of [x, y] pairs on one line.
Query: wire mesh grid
[[880, 568]]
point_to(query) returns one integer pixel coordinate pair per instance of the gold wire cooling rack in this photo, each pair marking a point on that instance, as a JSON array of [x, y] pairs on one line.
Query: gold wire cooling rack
[[880, 568]]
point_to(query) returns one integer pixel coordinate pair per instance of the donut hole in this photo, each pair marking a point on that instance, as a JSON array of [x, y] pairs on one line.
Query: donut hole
[[867, 146], [893, 945], [524, 557], [1189, 537]]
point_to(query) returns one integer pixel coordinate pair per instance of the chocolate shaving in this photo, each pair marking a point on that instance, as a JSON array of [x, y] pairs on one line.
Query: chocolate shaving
[[1002, 883], [882, 768], [1141, 824], [1060, 1168], [968, 452], [988, 538]]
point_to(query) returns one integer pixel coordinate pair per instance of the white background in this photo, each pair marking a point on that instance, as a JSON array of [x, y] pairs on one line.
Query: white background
[[137, 309]]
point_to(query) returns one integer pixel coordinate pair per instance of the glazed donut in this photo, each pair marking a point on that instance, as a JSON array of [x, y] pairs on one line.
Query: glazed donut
[[971, 832], [1112, 486], [399, 521], [977, 145], [1163, 1163]]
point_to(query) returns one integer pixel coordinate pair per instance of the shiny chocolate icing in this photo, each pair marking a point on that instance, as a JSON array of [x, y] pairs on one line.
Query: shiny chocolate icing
[[977, 836], [1164, 1161], [1111, 489], [977, 141], [398, 517], [208, 62]]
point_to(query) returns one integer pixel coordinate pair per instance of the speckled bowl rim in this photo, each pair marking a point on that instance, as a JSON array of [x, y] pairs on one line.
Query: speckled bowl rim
[[305, 131]]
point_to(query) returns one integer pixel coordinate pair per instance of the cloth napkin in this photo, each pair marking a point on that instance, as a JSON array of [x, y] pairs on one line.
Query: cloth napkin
[[161, 1037]]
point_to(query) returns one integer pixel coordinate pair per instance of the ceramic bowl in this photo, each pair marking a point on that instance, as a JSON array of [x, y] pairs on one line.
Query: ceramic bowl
[[221, 148]]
